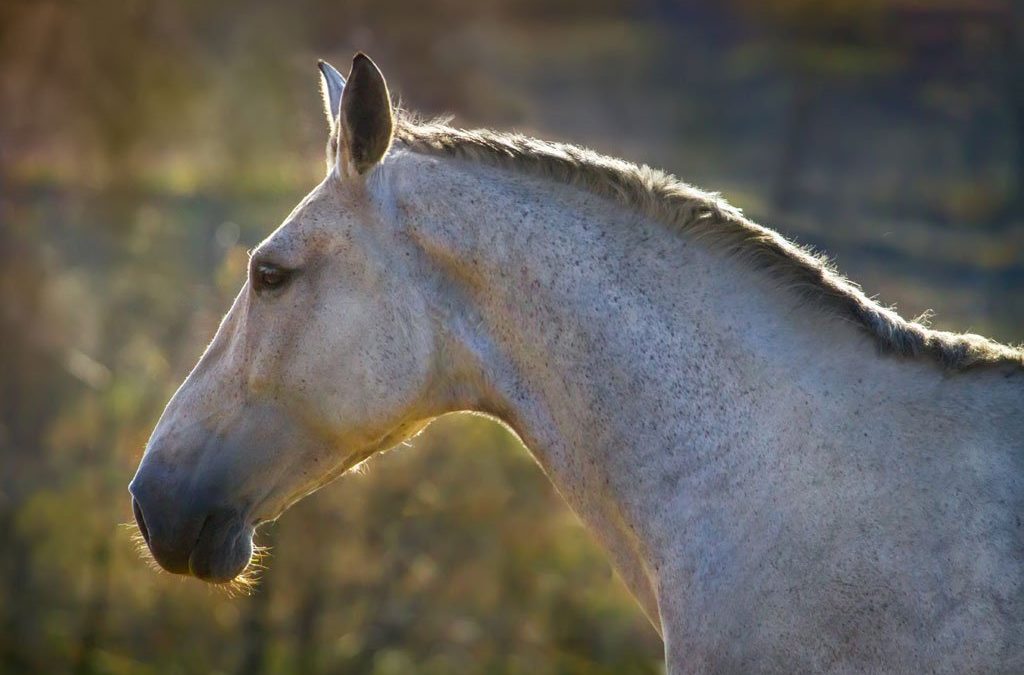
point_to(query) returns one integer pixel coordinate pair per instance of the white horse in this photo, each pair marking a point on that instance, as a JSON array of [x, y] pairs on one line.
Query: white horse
[[788, 476]]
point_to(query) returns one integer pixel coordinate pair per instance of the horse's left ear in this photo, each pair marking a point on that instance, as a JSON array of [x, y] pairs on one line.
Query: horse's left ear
[[365, 116], [331, 85]]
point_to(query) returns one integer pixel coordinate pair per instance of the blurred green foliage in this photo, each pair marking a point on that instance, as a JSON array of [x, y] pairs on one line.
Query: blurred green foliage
[[145, 145]]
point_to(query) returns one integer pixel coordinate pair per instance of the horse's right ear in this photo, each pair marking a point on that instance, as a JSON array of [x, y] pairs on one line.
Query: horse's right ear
[[366, 120]]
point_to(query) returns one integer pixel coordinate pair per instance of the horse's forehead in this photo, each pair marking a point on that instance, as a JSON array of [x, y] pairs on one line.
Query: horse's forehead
[[303, 239], [316, 222]]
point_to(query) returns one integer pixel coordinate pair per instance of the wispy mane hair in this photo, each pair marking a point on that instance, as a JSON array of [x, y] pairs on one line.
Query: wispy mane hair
[[665, 198]]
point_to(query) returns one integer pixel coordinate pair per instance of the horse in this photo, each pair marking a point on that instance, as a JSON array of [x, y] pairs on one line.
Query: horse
[[788, 476]]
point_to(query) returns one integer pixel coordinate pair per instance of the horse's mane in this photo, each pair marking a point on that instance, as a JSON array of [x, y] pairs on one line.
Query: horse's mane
[[665, 198]]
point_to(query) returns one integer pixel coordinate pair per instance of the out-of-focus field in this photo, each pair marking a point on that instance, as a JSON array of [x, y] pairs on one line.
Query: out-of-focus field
[[144, 146]]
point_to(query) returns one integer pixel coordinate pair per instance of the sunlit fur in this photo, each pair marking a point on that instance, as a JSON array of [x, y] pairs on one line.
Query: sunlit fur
[[707, 216]]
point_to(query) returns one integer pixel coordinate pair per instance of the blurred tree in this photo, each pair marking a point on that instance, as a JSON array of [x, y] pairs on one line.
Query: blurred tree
[[257, 630], [820, 43], [1014, 77]]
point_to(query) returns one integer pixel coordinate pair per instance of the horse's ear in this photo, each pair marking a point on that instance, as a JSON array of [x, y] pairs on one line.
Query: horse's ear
[[366, 118], [331, 85]]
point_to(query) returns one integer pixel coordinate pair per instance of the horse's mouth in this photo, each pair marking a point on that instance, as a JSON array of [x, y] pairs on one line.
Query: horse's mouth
[[218, 550], [222, 550]]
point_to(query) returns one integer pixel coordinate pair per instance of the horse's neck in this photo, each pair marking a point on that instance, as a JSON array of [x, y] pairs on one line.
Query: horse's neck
[[643, 370]]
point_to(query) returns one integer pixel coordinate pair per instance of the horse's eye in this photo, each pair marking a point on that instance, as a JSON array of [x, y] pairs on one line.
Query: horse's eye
[[267, 277]]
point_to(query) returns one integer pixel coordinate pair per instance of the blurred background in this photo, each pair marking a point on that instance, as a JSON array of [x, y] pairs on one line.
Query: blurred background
[[145, 145]]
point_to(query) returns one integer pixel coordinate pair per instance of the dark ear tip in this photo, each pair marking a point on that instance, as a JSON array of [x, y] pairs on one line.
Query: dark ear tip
[[361, 60]]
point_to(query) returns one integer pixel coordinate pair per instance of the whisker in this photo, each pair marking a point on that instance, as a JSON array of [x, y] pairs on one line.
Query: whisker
[[140, 545]]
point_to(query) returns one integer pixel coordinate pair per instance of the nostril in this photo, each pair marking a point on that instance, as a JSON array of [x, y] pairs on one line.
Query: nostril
[[137, 510]]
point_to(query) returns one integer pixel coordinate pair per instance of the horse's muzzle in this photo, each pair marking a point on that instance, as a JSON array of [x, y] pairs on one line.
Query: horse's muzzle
[[186, 532]]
